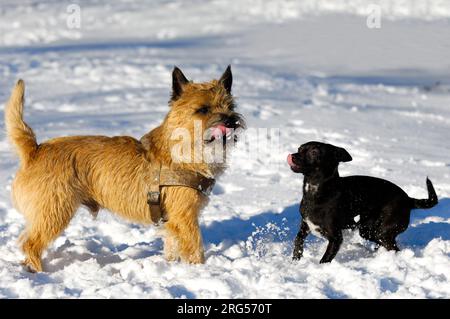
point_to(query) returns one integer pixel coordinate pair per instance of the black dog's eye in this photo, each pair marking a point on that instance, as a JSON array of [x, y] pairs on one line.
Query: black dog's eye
[[313, 154], [203, 110]]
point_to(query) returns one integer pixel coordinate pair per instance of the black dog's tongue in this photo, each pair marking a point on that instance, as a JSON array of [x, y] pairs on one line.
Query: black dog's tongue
[[290, 161], [294, 167]]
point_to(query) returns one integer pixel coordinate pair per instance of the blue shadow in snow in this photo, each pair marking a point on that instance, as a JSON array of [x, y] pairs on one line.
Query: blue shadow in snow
[[236, 229], [428, 81], [422, 234], [179, 291], [113, 45]]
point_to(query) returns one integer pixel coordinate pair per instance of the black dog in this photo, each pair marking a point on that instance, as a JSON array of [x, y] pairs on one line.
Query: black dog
[[378, 208]]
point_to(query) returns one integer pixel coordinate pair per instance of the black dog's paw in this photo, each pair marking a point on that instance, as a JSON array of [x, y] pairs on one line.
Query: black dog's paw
[[296, 257], [325, 260]]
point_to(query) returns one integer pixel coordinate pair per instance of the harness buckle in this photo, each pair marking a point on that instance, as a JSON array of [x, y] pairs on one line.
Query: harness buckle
[[153, 198]]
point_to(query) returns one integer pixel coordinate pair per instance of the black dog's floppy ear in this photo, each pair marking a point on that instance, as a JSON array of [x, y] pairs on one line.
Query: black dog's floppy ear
[[227, 79], [178, 81], [342, 155]]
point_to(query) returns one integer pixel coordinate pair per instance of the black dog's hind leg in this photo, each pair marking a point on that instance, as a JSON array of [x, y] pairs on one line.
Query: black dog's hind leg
[[334, 242], [395, 220], [387, 240], [390, 244], [299, 241]]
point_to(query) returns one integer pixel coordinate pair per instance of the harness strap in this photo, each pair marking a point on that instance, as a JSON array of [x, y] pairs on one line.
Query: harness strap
[[164, 177], [193, 180], [154, 196]]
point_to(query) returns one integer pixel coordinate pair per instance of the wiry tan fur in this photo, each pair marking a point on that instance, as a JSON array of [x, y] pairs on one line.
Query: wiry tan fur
[[58, 176]]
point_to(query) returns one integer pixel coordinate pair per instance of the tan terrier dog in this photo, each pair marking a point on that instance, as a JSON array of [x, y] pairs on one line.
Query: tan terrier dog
[[58, 176]]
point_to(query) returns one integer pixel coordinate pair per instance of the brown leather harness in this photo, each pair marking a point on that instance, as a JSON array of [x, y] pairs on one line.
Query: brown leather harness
[[164, 177]]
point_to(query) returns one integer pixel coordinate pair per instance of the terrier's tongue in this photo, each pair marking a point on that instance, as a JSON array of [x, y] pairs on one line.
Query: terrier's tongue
[[220, 131]]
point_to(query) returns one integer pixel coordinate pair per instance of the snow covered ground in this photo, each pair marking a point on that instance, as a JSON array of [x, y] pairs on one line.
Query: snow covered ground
[[307, 70]]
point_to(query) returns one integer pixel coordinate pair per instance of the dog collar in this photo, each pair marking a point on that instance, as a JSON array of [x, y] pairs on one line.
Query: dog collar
[[164, 177]]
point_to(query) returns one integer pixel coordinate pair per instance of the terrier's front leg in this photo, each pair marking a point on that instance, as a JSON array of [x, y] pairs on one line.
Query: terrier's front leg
[[184, 238], [171, 251], [191, 244], [185, 241]]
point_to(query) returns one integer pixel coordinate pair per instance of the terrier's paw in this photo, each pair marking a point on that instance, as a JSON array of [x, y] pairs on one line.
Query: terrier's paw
[[197, 258], [30, 267], [171, 257]]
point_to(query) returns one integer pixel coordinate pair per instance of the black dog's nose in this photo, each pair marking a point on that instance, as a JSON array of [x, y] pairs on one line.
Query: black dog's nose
[[296, 158]]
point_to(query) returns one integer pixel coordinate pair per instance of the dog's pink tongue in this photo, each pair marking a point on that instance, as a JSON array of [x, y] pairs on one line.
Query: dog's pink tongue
[[289, 160], [220, 131]]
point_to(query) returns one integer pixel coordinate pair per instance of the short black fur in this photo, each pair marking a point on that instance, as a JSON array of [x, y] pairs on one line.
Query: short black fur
[[330, 203]]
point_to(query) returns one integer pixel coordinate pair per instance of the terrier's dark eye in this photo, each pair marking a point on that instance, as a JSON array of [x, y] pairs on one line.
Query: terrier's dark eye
[[203, 110]]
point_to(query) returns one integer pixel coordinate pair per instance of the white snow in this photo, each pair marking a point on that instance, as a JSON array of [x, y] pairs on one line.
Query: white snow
[[308, 70]]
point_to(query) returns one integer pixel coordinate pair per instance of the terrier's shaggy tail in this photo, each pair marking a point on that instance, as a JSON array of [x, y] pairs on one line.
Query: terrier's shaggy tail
[[19, 133]]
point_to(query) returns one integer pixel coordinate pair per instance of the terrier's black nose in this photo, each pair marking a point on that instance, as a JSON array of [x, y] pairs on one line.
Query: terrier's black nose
[[232, 121]]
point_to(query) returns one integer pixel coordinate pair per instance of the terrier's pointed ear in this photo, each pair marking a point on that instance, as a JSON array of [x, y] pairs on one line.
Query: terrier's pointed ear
[[342, 155], [178, 81], [227, 79]]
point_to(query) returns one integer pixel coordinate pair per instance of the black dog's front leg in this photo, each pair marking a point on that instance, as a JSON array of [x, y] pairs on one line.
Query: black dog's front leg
[[334, 242], [299, 240]]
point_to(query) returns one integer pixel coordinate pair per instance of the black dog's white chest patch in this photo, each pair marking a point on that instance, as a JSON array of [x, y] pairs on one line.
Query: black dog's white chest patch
[[311, 188], [315, 229]]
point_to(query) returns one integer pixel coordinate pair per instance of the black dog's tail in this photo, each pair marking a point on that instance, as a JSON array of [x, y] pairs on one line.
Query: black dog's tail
[[426, 203]]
